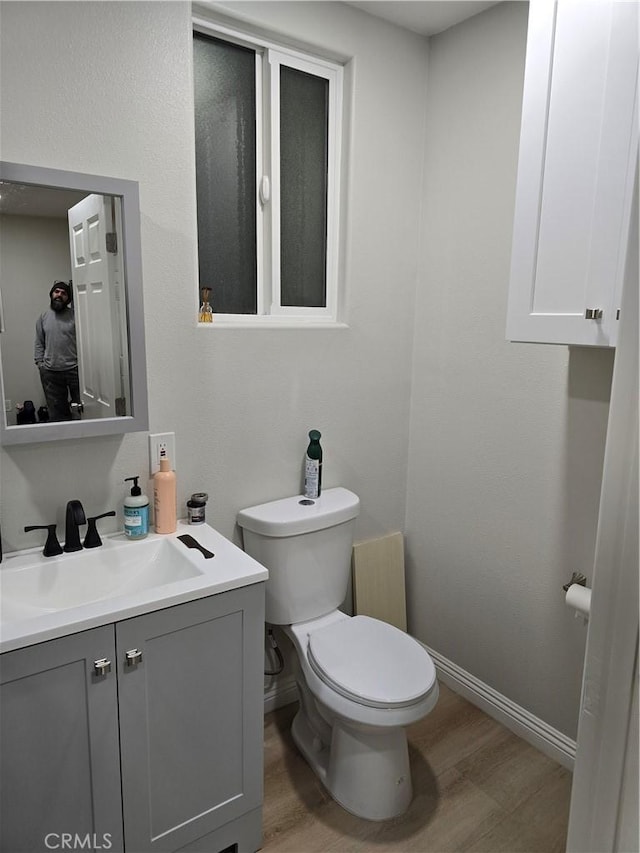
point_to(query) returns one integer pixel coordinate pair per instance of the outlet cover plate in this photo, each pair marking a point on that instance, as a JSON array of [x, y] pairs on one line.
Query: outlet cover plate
[[157, 443]]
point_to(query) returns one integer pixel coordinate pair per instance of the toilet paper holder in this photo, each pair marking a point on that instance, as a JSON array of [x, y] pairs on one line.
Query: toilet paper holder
[[576, 577]]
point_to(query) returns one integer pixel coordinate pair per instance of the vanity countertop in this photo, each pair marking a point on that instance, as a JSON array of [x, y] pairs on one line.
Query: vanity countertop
[[47, 597]]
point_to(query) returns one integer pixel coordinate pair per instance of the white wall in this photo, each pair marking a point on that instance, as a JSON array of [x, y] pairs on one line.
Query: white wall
[[507, 440], [105, 88], [500, 506]]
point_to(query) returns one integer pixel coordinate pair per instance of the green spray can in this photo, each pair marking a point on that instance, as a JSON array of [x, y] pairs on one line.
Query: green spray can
[[313, 466]]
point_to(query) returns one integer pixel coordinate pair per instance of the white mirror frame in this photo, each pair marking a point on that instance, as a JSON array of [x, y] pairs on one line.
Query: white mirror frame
[[127, 191]]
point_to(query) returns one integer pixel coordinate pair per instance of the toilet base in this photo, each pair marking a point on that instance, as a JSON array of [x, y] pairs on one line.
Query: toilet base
[[365, 770]]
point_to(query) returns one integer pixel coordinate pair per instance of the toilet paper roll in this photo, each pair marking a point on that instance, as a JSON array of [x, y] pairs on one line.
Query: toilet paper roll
[[579, 598]]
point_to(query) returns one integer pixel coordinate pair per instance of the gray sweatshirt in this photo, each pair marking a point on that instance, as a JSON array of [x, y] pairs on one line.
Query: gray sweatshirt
[[55, 344]]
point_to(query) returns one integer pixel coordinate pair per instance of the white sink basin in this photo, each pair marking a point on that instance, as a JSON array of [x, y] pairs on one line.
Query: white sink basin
[[86, 576], [42, 598]]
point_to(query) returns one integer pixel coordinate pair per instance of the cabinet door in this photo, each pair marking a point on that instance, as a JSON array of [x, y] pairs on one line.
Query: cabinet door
[[191, 718], [60, 763], [578, 149]]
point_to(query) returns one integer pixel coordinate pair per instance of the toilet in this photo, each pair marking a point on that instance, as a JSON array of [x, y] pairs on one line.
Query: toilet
[[361, 681]]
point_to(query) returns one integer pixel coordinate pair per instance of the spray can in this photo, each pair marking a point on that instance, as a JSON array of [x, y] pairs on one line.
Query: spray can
[[313, 466]]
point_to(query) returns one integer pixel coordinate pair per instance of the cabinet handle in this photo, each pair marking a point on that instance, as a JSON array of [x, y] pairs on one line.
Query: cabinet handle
[[133, 657], [593, 314], [102, 666]]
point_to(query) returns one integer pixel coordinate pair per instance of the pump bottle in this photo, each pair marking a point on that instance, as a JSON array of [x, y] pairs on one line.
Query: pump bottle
[[165, 498], [136, 512]]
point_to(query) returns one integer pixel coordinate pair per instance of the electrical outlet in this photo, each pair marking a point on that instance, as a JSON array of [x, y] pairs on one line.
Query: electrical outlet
[[7, 405], [161, 444]]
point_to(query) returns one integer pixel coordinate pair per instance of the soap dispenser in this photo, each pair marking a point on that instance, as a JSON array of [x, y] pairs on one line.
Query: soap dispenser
[[136, 512]]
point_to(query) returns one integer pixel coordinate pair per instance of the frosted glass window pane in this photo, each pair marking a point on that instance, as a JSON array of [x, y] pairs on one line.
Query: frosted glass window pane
[[304, 102], [225, 129]]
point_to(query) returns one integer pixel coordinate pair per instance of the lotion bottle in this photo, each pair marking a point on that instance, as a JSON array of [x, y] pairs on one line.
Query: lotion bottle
[[165, 498], [136, 512]]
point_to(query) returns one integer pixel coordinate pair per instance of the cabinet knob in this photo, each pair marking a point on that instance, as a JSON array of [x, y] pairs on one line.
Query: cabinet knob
[[133, 657], [102, 666], [593, 314]]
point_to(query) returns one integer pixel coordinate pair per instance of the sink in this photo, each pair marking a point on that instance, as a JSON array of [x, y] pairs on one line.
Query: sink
[[73, 580], [43, 598]]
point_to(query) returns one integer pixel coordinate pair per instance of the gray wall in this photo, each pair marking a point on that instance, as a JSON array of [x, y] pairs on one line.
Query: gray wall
[[490, 486]]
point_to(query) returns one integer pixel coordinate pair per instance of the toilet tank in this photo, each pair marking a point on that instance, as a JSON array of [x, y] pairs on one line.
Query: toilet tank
[[306, 546]]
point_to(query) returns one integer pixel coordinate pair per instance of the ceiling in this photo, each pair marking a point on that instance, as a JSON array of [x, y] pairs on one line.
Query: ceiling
[[426, 17], [33, 200]]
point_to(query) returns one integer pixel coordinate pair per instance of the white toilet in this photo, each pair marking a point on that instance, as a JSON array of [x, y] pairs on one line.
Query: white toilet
[[361, 681]]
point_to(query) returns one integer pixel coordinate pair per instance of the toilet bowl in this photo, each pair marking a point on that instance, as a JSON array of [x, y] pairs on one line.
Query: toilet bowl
[[361, 681], [356, 703]]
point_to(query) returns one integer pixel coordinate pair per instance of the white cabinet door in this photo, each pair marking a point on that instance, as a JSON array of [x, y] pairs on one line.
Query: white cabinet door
[[578, 152]]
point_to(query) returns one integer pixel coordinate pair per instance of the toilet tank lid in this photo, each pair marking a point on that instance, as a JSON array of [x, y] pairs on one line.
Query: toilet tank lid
[[296, 515]]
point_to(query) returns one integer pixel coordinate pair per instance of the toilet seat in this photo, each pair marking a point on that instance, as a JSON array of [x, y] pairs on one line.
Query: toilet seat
[[371, 662]]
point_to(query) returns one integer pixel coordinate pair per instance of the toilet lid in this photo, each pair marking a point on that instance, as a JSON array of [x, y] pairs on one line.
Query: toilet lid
[[371, 662]]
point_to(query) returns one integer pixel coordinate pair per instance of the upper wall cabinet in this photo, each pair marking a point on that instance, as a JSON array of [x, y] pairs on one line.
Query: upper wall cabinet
[[578, 155]]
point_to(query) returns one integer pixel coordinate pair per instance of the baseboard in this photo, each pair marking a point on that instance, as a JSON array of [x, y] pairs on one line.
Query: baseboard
[[283, 692], [520, 721]]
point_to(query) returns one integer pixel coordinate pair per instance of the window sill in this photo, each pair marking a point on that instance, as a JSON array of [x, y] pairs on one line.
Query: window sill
[[273, 323]]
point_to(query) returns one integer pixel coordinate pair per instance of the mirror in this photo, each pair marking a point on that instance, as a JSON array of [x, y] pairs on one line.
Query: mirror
[[83, 230]]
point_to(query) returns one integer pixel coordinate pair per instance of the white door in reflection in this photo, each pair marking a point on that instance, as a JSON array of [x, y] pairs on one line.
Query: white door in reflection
[[97, 287]]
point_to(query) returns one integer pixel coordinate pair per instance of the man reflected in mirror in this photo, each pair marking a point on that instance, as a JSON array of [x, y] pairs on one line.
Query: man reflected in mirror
[[56, 353]]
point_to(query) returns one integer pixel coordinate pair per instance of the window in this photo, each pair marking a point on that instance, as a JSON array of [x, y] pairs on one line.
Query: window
[[267, 127]]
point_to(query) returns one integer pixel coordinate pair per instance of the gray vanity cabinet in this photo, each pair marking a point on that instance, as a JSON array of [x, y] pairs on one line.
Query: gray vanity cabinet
[[165, 750], [59, 749], [191, 724]]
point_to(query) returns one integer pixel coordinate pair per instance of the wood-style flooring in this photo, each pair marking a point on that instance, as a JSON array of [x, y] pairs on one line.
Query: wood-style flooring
[[476, 787]]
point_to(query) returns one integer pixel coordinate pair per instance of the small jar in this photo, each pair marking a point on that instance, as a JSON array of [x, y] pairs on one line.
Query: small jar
[[196, 508]]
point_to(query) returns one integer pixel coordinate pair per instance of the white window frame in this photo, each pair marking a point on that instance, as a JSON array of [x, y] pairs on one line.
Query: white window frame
[[269, 58]]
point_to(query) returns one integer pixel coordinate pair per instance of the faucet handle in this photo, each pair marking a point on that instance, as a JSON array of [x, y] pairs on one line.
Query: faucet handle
[[52, 546], [92, 539]]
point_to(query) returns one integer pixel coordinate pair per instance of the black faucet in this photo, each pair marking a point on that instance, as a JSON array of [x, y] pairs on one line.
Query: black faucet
[[74, 518]]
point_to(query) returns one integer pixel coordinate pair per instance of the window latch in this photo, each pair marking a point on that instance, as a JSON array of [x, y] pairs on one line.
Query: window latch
[[265, 189]]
